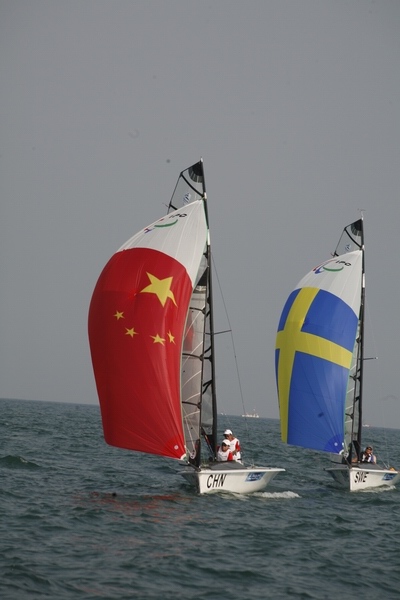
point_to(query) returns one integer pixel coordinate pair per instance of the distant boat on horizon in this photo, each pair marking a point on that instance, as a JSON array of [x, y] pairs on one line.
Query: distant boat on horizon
[[252, 415]]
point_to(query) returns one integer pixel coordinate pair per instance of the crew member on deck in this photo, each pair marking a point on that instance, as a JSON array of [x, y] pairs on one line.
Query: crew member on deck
[[234, 445], [367, 456], [224, 452]]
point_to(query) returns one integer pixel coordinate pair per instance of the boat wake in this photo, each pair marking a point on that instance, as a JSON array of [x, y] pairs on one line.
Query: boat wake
[[379, 490], [277, 495], [17, 462]]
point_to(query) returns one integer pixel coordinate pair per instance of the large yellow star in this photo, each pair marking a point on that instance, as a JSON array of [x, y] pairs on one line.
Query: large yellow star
[[157, 339], [119, 315], [161, 288]]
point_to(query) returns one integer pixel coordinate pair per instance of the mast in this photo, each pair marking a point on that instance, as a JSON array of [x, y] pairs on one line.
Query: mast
[[198, 393], [361, 342], [353, 239], [211, 324], [208, 433]]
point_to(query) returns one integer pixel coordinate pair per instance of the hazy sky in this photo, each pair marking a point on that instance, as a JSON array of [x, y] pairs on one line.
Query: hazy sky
[[294, 107]]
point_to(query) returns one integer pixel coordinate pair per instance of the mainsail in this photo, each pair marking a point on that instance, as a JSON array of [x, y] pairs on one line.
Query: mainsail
[[319, 351], [149, 322], [352, 239], [199, 406]]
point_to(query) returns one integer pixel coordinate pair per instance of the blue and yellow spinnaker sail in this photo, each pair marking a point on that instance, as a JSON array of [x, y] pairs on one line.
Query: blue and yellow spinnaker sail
[[314, 353]]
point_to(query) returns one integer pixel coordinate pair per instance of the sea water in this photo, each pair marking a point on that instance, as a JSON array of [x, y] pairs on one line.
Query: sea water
[[82, 520]]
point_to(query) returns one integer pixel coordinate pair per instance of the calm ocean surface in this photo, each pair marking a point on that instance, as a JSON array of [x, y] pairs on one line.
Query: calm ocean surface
[[82, 520]]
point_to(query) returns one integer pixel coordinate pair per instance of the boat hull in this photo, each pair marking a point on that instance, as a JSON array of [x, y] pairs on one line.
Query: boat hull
[[359, 477], [223, 478]]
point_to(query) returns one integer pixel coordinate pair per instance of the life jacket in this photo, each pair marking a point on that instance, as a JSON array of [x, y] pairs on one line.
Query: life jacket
[[368, 458], [235, 445], [224, 455]]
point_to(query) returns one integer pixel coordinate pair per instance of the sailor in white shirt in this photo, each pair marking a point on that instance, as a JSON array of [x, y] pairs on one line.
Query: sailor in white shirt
[[234, 444], [224, 452]]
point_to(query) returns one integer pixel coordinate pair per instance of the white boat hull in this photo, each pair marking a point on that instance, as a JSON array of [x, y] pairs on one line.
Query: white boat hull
[[363, 477], [222, 478]]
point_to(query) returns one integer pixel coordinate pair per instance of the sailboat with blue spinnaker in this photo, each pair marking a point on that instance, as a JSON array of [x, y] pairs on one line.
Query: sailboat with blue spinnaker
[[320, 364]]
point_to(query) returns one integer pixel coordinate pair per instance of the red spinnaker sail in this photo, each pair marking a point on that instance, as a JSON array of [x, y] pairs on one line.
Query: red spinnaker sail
[[136, 324]]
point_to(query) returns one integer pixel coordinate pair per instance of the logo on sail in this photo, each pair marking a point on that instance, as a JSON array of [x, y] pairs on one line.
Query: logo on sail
[[168, 221], [333, 266]]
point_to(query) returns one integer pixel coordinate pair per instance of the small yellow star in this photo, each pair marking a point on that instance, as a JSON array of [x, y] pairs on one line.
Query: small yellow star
[[171, 337], [119, 315], [157, 339], [131, 332]]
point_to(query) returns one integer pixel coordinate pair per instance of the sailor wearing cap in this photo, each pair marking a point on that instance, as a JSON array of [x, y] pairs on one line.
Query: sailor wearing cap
[[234, 444], [224, 452]]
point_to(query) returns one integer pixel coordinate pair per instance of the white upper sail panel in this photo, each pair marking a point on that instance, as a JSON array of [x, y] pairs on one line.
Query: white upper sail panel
[[340, 276], [181, 234]]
